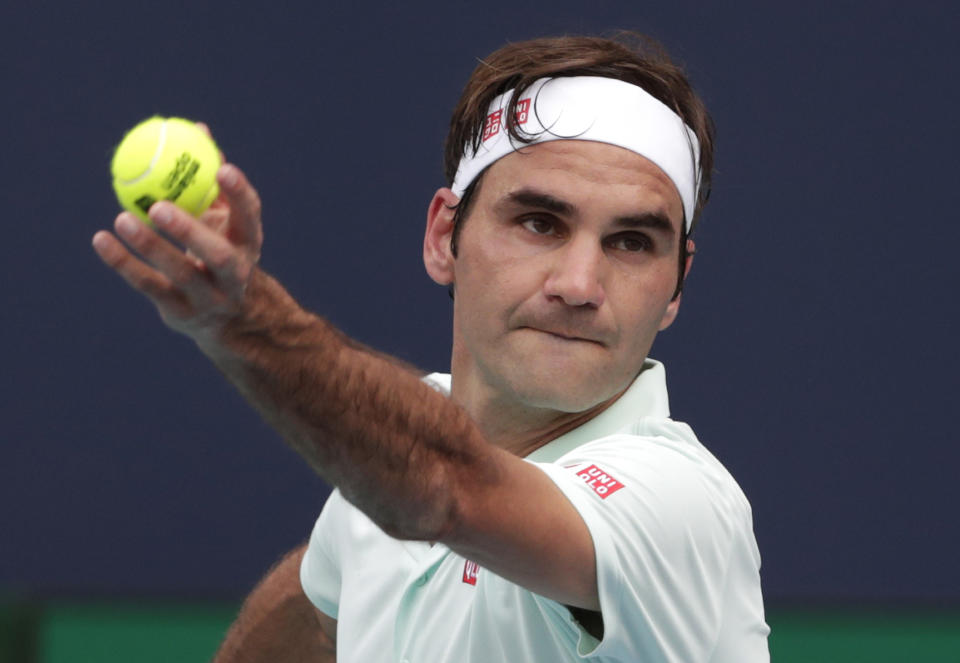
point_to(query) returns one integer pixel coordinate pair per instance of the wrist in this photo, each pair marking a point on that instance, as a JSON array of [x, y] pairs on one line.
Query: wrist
[[267, 317]]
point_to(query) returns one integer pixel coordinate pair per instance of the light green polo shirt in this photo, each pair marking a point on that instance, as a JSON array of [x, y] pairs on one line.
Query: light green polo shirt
[[677, 562]]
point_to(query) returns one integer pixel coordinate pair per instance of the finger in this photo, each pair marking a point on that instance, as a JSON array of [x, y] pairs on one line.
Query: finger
[[245, 227], [183, 271], [135, 272], [217, 216], [220, 258]]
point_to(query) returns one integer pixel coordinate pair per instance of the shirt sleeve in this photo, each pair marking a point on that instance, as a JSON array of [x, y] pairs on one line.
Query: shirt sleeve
[[320, 568], [663, 524]]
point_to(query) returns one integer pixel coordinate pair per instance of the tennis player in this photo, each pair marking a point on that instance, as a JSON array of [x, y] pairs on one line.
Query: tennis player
[[538, 504]]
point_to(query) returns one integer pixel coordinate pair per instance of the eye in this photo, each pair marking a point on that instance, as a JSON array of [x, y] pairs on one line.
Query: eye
[[539, 225], [632, 242]]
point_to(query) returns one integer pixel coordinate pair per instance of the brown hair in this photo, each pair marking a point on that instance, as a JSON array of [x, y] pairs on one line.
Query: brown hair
[[629, 57]]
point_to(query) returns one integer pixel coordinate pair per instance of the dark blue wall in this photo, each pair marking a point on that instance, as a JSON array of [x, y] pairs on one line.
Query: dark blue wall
[[815, 353]]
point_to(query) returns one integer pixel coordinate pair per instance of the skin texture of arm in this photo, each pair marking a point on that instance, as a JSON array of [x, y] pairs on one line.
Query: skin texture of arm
[[278, 623], [407, 456]]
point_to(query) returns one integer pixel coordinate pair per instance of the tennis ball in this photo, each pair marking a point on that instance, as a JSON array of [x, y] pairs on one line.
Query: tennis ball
[[166, 159]]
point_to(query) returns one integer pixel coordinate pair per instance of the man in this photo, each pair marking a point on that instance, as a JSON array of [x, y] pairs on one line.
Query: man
[[538, 504]]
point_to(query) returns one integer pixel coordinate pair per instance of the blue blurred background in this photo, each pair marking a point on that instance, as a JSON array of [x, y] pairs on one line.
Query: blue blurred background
[[816, 351]]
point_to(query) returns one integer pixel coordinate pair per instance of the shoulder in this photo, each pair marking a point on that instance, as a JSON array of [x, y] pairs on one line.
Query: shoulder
[[659, 466], [660, 506]]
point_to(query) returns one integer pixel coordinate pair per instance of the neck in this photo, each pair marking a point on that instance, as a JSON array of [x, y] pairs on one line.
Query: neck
[[515, 426]]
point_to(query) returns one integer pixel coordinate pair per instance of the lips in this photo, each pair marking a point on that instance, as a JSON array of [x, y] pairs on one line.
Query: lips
[[567, 335]]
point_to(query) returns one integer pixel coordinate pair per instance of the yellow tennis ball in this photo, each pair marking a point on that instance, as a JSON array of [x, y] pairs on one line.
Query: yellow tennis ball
[[166, 159]]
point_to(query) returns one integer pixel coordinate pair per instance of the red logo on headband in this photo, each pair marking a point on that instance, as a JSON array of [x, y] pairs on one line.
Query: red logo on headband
[[523, 111], [495, 119], [492, 126]]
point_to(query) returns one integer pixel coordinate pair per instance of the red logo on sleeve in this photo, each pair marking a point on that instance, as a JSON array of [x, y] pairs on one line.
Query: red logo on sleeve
[[470, 571], [602, 483]]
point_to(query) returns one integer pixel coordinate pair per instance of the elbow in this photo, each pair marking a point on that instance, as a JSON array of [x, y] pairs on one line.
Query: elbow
[[431, 523], [433, 514]]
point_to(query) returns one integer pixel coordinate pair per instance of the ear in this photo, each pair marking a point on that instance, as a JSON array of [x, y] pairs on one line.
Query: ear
[[674, 306], [437, 256]]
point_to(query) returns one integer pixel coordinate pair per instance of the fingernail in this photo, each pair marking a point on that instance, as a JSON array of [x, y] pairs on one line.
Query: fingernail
[[162, 214], [230, 176], [100, 240], [127, 226]]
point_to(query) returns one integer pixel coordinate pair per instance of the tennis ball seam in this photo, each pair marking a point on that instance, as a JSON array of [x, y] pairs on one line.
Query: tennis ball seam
[[161, 143]]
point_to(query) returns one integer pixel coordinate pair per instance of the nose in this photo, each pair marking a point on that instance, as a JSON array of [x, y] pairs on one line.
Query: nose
[[575, 276]]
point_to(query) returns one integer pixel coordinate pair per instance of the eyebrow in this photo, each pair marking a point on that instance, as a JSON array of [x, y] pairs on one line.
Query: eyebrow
[[533, 198]]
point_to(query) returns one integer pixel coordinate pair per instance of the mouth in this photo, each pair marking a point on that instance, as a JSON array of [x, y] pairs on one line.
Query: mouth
[[572, 338]]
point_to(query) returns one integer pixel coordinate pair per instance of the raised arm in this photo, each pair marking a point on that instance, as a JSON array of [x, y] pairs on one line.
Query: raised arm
[[408, 457]]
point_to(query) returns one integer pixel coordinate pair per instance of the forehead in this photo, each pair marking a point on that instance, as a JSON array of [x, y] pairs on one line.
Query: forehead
[[586, 172]]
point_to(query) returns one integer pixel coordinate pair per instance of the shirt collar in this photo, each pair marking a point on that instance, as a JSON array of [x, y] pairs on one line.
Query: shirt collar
[[646, 397]]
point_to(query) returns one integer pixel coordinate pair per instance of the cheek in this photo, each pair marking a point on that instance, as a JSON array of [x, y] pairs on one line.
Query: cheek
[[496, 269], [479, 291], [645, 301], [645, 324]]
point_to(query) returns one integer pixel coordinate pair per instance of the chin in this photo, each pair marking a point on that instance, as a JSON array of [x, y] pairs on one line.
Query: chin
[[563, 391]]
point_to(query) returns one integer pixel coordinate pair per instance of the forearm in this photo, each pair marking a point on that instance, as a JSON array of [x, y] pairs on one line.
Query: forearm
[[394, 446], [278, 623]]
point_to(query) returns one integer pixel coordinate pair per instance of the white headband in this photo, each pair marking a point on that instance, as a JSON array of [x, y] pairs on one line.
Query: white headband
[[594, 108]]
